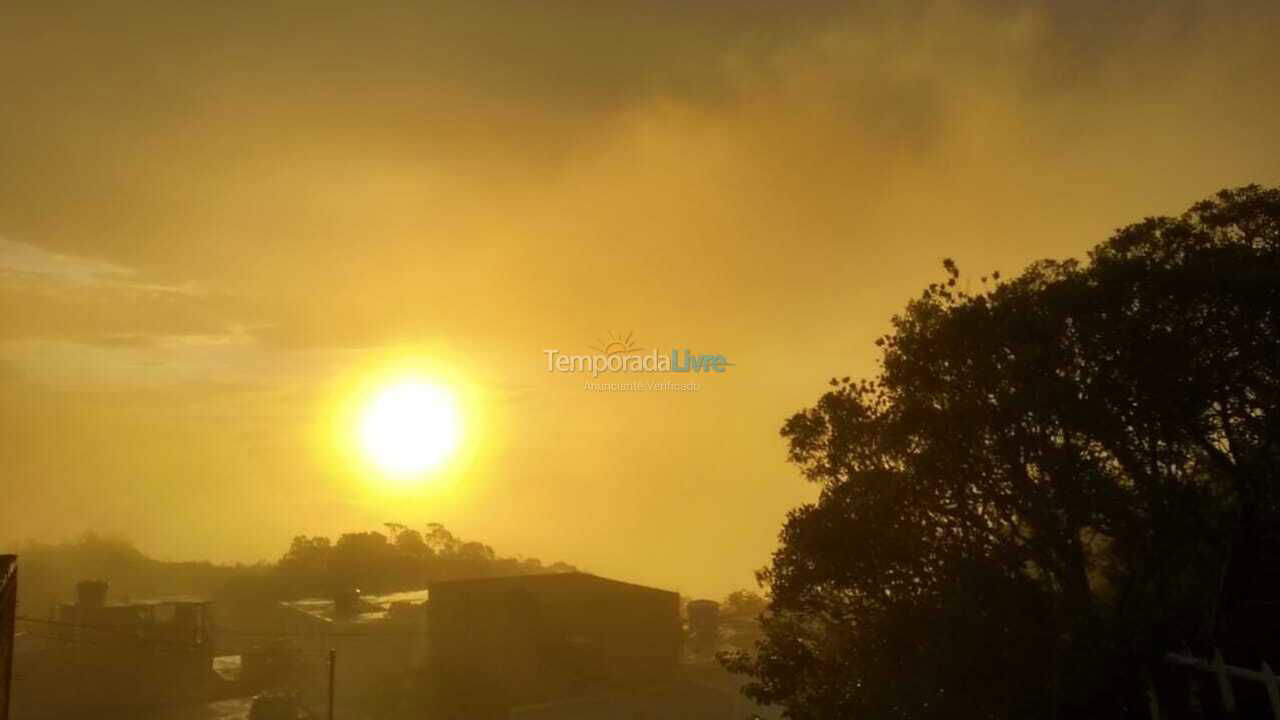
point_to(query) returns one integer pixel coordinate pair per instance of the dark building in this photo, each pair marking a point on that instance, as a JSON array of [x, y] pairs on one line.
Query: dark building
[[8, 610], [120, 655], [499, 643]]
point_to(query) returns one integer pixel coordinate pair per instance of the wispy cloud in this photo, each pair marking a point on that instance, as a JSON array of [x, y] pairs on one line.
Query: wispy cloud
[[23, 260], [30, 264]]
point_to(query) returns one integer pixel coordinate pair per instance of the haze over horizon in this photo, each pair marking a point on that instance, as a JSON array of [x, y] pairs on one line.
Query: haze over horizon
[[220, 225]]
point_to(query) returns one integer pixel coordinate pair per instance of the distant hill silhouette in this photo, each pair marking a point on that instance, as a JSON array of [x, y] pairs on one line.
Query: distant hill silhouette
[[399, 558]]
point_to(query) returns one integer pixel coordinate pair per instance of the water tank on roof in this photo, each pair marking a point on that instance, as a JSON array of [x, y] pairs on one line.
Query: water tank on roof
[[91, 593], [346, 604], [704, 624]]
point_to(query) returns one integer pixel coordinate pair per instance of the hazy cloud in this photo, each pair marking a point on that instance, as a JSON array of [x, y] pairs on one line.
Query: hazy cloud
[[280, 194]]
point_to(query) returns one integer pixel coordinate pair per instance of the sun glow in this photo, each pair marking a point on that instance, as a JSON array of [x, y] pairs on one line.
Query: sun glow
[[409, 427]]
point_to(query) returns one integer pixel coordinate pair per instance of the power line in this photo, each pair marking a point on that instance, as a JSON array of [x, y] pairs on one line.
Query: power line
[[229, 630], [159, 648], [107, 630], [318, 634]]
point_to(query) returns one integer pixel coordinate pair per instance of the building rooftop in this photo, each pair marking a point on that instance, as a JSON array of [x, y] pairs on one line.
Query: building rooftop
[[151, 602], [375, 608], [370, 608], [569, 579]]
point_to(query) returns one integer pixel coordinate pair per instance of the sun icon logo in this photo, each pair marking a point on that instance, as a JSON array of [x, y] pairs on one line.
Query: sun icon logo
[[617, 345]]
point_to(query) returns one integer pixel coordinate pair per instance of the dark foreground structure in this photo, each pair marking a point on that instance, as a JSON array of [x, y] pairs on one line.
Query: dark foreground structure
[[8, 610], [102, 656], [379, 641], [559, 646]]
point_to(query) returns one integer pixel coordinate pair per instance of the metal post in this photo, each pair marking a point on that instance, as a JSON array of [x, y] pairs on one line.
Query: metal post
[[333, 661], [1224, 684], [1273, 690], [1153, 700], [1193, 694]]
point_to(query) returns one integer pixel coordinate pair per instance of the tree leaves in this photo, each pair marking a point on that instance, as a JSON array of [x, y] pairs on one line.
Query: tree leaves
[[1047, 475]]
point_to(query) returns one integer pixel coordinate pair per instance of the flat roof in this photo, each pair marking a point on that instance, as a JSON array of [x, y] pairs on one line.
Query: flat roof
[[507, 581], [151, 602], [376, 607]]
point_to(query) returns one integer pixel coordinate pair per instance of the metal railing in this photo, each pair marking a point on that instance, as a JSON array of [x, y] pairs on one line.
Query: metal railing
[[1223, 675]]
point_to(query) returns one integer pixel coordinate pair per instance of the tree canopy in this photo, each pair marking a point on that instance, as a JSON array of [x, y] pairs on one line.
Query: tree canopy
[[1051, 481], [400, 559]]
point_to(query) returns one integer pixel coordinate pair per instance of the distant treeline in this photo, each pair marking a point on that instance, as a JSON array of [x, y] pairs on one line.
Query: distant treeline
[[398, 558], [402, 558]]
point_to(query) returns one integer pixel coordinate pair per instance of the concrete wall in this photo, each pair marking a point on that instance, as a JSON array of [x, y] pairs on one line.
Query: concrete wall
[[509, 641]]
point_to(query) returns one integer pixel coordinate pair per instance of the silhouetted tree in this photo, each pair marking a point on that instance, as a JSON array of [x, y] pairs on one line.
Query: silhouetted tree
[[51, 570], [740, 618], [743, 604], [403, 559], [1049, 484], [306, 564]]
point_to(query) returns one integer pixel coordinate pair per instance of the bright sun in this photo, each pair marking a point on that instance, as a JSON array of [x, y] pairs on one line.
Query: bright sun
[[409, 427]]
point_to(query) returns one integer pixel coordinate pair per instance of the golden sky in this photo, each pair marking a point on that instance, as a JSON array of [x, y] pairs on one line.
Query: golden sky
[[220, 221]]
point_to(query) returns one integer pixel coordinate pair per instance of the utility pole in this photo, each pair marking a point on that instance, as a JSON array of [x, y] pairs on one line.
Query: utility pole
[[333, 661]]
